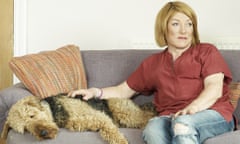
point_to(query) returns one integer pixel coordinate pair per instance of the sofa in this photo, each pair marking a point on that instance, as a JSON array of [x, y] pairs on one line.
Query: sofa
[[106, 68]]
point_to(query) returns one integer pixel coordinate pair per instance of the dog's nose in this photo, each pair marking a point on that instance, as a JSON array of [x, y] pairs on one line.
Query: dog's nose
[[43, 133]]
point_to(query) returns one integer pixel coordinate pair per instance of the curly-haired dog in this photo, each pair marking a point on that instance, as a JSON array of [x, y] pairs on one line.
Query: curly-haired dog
[[43, 118]]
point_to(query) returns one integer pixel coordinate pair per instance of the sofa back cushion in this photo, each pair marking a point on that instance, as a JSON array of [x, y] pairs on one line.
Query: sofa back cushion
[[111, 67]]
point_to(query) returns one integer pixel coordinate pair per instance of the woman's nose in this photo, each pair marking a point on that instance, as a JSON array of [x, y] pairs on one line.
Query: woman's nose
[[183, 29]]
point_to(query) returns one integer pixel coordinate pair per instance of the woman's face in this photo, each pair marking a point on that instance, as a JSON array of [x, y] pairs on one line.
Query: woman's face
[[180, 31]]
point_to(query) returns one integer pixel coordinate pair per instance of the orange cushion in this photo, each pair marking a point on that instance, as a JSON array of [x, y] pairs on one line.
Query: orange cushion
[[51, 73], [234, 93]]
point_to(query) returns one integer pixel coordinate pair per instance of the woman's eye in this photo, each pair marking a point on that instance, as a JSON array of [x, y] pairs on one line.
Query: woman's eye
[[31, 116], [190, 24], [175, 24]]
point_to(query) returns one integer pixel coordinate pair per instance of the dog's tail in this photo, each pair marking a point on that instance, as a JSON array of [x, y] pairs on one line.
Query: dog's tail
[[4, 133]]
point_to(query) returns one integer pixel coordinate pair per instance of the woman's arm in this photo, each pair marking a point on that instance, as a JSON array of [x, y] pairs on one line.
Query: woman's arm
[[120, 91], [213, 85]]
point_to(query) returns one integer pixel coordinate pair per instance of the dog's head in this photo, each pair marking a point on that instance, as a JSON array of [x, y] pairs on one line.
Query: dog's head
[[33, 115]]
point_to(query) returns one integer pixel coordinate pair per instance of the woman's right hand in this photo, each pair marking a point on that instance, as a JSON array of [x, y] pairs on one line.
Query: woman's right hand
[[85, 93], [120, 91]]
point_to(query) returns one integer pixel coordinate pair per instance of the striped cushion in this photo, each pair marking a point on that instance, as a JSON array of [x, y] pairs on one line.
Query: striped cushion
[[235, 93], [52, 72]]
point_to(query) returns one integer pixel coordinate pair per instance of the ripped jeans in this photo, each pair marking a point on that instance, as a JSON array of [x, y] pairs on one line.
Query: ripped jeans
[[186, 129]]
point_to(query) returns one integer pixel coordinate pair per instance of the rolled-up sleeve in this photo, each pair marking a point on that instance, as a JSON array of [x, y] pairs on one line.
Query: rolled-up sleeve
[[213, 62]]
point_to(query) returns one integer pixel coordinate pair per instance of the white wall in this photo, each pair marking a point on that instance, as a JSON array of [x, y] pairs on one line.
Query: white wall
[[112, 24]]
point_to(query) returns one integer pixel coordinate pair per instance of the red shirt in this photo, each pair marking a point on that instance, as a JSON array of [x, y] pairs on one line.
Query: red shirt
[[176, 84]]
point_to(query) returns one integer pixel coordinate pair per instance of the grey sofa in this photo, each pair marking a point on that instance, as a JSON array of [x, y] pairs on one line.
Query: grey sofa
[[106, 68]]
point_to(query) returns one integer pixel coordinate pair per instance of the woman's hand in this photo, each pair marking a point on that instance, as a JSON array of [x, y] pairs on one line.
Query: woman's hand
[[190, 109], [120, 91], [85, 93]]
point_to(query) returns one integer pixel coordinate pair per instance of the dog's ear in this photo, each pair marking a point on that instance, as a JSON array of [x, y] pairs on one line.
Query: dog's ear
[[15, 121], [45, 107]]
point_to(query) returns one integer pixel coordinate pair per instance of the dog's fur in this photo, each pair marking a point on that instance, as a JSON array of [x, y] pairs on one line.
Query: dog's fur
[[43, 118]]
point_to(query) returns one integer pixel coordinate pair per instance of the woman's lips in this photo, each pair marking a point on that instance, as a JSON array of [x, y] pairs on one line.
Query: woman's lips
[[184, 38]]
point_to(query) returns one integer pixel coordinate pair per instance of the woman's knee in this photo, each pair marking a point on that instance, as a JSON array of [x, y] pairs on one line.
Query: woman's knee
[[181, 129], [153, 126], [183, 125], [184, 130], [157, 130]]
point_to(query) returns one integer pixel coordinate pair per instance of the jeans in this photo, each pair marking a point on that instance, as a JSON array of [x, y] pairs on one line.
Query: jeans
[[186, 129]]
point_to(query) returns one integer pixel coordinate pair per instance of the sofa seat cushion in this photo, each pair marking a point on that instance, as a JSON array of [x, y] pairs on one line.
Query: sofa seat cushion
[[65, 136], [134, 136], [227, 138]]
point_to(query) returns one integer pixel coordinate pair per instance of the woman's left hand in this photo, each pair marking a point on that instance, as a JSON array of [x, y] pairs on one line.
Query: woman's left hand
[[190, 109]]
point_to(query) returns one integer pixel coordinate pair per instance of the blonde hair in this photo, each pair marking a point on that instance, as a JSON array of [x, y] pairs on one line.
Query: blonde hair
[[166, 13]]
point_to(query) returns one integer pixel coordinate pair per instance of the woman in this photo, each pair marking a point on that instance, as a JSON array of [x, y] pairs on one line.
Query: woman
[[189, 81]]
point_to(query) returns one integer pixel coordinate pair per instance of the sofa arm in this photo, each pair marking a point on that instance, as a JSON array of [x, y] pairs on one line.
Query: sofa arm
[[8, 97]]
